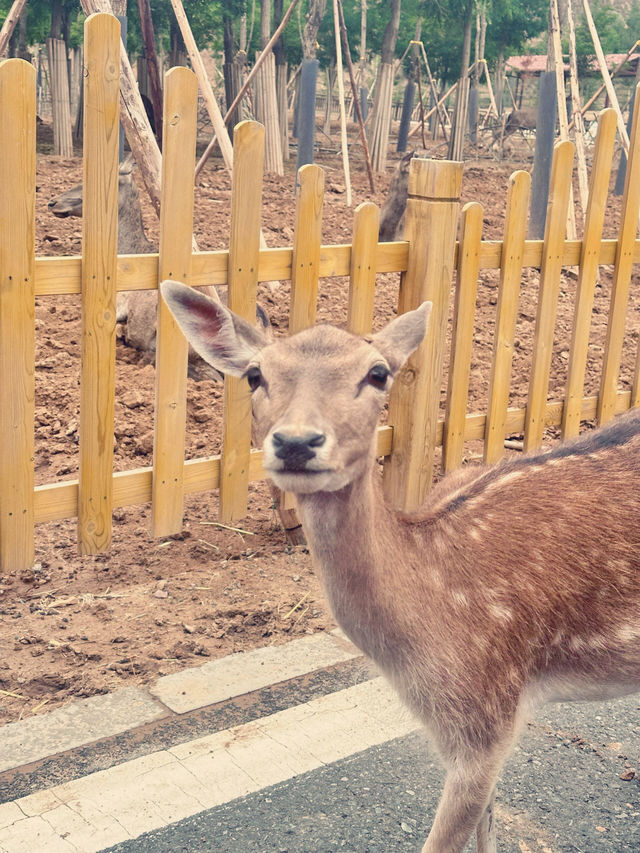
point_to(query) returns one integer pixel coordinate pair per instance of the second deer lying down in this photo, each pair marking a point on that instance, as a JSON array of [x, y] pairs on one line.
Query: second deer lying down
[[512, 586]]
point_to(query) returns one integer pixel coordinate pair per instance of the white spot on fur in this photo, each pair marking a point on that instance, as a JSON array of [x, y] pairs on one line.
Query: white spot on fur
[[460, 598], [501, 613]]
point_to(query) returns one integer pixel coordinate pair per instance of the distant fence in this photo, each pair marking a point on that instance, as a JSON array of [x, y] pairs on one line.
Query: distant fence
[[426, 259]]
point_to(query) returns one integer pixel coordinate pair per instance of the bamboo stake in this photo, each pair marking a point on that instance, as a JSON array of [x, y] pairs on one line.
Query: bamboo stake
[[563, 119], [356, 99], [434, 92], [583, 180], [210, 101], [601, 88], [611, 92], [250, 77], [9, 24], [343, 117]]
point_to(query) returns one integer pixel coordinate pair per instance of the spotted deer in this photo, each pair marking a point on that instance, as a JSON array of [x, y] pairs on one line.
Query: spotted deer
[[512, 585]]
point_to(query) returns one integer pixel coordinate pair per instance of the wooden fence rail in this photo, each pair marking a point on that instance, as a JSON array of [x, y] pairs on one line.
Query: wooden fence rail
[[426, 261]]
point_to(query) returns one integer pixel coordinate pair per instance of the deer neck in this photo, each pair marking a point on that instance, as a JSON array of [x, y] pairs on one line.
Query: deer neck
[[355, 542]]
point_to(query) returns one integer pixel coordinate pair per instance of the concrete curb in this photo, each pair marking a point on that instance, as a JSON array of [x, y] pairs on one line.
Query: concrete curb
[[88, 720]]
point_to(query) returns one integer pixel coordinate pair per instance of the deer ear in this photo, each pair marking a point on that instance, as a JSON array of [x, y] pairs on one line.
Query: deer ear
[[223, 339], [402, 336]]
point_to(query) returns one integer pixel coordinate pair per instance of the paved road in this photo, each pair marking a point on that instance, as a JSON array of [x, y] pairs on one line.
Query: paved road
[[302, 759]]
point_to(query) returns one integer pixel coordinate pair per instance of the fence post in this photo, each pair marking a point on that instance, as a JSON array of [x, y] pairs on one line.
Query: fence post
[[176, 228], [244, 252], [17, 306], [430, 227], [99, 272]]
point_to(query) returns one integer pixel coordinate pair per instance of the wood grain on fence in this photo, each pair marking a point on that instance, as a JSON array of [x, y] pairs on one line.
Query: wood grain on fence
[[588, 271], [99, 269], [244, 252], [17, 306], [307, 239], [621, 276], [430, 227], [425, 261], [362, 270], [513, 246], [176, 229], [462, 335], [554, 235]]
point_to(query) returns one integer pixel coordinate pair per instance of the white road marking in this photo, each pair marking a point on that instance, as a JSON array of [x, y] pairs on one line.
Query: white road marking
[[125, 801]]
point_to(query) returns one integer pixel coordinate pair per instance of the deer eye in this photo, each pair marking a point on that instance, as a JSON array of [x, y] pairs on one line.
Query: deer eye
[[254, 378], [378, 376]]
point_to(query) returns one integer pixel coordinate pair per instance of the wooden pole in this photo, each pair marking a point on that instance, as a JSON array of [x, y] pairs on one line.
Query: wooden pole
[[356, 99], [434, 92], [134, 117], [583, 180], [430, 227], [611, 92], [343, 116], [151, 58], [250, 77], [441, 101], [9, 25], [601, 88], [210, 101], [563, 119]]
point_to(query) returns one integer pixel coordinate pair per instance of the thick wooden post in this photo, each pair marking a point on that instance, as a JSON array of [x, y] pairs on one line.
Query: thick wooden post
[[430, 227], [99, 271], [17, 306], [176, 228], [244, 250]]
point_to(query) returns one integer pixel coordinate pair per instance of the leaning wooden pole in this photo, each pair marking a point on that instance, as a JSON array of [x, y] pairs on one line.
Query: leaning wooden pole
[[210, 101], [250, 77], [356, 99], [9, 24], [563, 119], [134, 117], [583, 180], [611, 92], [151, 58], [343, 115]]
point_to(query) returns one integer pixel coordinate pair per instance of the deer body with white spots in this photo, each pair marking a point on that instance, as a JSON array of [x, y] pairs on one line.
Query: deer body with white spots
[[511, 586]]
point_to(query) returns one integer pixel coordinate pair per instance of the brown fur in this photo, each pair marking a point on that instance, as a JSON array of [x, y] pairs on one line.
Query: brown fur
[[511, 586]]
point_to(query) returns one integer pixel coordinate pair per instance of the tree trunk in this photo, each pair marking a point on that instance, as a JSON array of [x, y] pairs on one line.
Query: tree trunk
[[281, 81], [306, 125], [266, 101], [456, 143], [499, 80], [384, 92], [152, 63], [10, 23]]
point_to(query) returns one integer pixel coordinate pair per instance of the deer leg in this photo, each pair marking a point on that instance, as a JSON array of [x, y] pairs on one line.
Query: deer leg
[[465, 806], [486, 828]]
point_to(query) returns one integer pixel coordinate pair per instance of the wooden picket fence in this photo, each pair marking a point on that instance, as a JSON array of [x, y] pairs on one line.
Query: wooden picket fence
[[426, 259]]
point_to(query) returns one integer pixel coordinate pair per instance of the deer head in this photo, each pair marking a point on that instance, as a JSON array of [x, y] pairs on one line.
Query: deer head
[[316, 396]]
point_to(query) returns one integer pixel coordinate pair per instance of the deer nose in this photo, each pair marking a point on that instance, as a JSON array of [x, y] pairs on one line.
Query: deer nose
[[296, 450]]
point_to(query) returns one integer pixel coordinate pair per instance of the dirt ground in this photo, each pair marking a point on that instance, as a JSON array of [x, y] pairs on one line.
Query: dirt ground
[[73, 626]]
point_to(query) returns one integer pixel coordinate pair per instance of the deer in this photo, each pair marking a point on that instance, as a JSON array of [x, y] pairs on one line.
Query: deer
[[137, 309], [511, 586]]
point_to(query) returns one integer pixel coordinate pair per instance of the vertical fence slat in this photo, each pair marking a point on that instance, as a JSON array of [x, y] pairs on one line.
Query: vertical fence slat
[[17, 306], [621, 276], [176, 229], [99, 269], [307, 238], [244, 249], [515, 232], [588, 271], [552, 251], [362, 270], [462, 335], [430, 227]]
